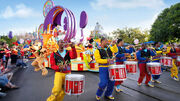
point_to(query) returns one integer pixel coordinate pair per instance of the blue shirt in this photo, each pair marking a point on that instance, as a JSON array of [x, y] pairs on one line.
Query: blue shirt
[[120, 57], [63, 53]]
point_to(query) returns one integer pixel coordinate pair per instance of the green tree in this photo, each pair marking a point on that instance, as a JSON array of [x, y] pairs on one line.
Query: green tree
[[167, 25], [8, 41], [130, 34]]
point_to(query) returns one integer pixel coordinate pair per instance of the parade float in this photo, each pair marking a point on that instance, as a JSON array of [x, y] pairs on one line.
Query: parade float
[[93, 43], [60, 24]]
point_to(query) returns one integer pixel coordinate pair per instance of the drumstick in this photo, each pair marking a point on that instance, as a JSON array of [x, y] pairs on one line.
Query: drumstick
[[114, 56]]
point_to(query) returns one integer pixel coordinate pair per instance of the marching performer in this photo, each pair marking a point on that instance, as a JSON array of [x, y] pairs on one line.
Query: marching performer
[[156, 58], [60, 62], [174, 69], [104, 57], [120, 58], [143, 56]]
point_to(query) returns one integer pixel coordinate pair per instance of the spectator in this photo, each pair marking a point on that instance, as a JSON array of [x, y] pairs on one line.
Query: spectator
[[7, 54], [20, 61], [14, 57], [5, 81]]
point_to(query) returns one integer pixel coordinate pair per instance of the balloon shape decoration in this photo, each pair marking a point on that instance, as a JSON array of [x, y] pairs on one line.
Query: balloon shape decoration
[[10, 36], [26, 46], [83, 19], [83, 23], [21, 41], [18, 42], [15, 43], [47, 7], [40, 31], [136, 41], [29, 41]]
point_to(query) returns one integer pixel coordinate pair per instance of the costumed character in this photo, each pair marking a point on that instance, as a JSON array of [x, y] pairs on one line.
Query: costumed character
[[143, 56], [40, 54], [120, 58], [174, 69], [89, 52], [60, 62], [104, 56]]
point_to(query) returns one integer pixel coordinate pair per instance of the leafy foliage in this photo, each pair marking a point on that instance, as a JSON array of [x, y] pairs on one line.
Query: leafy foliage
[[130, 34], [8, 41], [167, 26]]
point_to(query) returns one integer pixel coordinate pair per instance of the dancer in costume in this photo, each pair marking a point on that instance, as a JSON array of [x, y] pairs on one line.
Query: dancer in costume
[[104, 57], [120, 58], [174, 69], [60, 62], [143, 56], [156, 58]]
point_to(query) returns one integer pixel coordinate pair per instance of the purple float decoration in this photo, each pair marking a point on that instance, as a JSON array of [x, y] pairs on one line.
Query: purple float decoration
[[65, 24], [10, 36], [74, 23], [83, 23], [53, 19], [83, 19]]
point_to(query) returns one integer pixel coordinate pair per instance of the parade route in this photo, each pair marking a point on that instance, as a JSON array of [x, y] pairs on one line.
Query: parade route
[[96, 50], [34, 87]]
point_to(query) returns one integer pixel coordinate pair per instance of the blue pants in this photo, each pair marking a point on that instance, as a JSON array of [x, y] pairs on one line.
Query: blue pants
[[156, 77], [105, 82]]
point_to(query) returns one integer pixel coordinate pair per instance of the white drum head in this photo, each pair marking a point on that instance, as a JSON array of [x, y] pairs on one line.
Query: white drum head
[[165, 58], [130, 62], [153, 64], [75, 77]]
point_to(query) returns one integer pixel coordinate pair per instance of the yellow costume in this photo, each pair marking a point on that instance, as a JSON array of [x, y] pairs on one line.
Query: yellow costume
[[59, 80], [174, 69], [98, 58]]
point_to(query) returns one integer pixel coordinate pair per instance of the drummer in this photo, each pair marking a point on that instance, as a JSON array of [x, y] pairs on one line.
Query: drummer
[[104, 57], [120, 58], [174, 69], [156, 58], [143, 56], [60, 62]]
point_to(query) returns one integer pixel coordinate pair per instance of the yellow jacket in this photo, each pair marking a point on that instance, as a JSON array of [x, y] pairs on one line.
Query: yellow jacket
[[158, 53], [167, 50], [98, 59]]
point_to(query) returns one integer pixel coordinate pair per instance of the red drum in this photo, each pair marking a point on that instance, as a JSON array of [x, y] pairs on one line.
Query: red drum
[[166, 61], [131, 66], [93, 65], [74, 84], [154, 68], [117, 72], [178, 60]]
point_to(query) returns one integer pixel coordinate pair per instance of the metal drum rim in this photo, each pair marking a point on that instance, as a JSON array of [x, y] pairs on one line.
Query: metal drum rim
[[116, 66]]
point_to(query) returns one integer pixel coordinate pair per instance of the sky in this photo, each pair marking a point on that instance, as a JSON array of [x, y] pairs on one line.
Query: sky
[[20, 16]]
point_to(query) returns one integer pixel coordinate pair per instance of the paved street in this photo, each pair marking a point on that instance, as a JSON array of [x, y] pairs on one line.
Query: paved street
[[34, 87]]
